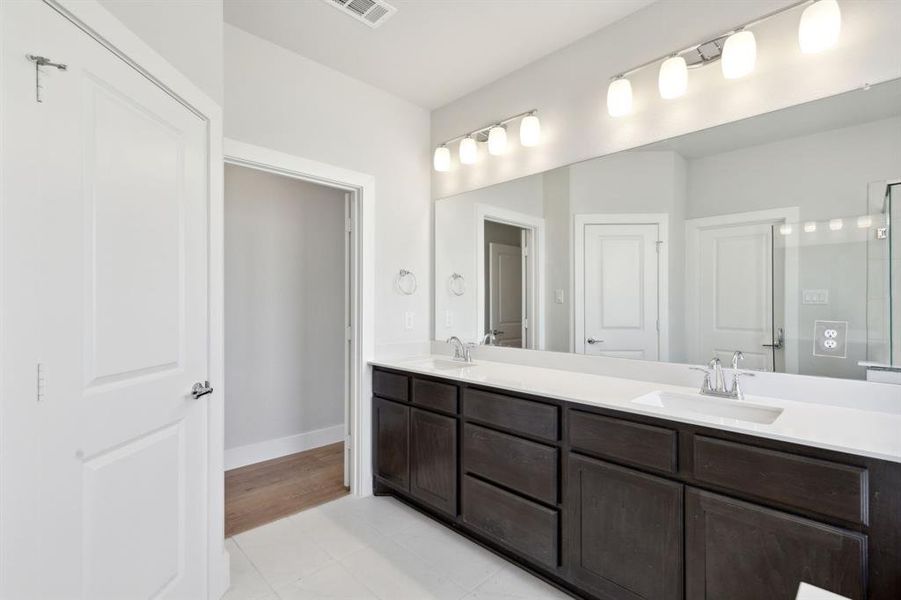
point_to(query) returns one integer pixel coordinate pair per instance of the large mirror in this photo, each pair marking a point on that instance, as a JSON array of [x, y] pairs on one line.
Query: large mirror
[[771, 235]]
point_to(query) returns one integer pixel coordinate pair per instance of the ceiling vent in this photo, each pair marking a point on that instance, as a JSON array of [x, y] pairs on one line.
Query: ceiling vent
[[371, 12]]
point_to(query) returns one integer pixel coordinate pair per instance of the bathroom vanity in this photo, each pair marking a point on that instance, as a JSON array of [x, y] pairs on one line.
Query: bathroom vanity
[[610, 488]]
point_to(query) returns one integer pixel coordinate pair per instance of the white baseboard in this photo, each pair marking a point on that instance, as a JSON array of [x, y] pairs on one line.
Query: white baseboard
[[253, 453]]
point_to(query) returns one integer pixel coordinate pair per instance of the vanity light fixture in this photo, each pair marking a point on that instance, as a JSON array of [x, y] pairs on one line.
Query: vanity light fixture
[[836, 224], [619, 97], [785, 229], [864, 222], [810, 226], [494, 134], [739, 54], [530, 130], [469, 150], [441, 160], [819, 29], [497, 140], [673, 78], [821, 24]]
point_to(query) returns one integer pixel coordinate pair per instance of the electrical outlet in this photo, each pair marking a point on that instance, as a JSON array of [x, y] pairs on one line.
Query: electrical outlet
[[830, 338], [408, 320]]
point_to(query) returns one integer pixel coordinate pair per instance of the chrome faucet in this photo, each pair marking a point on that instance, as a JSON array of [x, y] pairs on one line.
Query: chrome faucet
[[461, 350], [714, 383], [489, 339]]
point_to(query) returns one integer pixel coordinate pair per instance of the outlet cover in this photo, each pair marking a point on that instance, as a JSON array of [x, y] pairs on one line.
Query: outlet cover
[[830, 339]]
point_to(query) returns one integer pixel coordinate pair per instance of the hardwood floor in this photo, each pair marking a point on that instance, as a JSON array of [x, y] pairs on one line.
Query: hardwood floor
[[267, 491]]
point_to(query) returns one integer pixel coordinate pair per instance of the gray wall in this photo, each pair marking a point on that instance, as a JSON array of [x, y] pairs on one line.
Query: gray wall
[[284, 290]]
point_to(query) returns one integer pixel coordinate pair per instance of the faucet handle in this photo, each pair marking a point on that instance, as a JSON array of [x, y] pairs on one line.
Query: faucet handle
[[737, 356], [737, 391], [706, 372]]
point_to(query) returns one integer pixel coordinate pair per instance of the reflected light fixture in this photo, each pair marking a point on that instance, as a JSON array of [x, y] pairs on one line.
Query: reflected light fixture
[[836, 224], [530, 131], [739, 54], [864, 222], [619, 97], [785, 229], [821, 24], [469, 150], [810, 227], [673, 78], [441, 160], [497, 140]]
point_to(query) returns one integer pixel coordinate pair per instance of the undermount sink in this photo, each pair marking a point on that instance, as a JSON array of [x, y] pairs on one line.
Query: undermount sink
[[442, 365], [723, 408]]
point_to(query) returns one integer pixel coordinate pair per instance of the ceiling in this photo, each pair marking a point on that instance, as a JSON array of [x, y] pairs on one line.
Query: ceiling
[[431, 51]]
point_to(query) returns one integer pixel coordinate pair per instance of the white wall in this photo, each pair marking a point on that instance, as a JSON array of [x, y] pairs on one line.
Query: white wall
[[284, 315], [568, 87], [280, 100], [187, 33]]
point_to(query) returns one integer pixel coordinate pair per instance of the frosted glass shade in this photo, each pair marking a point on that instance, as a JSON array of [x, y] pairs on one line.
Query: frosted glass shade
[[810, 227], [820, 26], [441, 159], [619, 97], [785, 229], [673, 78], [739, 55], [864, 222], [469, 151], [530, 131], [497, 140], [836, 224]]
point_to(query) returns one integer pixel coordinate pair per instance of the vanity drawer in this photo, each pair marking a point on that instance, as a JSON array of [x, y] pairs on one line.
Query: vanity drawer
[[523, 526], [435, 395], [390, 385], [819, 486], [521, 465], [522, 416], [634, 443]]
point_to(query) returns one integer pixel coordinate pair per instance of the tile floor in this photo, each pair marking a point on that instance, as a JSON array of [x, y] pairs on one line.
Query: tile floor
[[370, 548]]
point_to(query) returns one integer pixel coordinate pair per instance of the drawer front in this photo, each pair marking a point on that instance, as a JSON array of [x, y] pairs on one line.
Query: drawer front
[[435, 395], [635, 443], [390, 385], [523, 526], [525, 466], [515, 414], [812, 484]]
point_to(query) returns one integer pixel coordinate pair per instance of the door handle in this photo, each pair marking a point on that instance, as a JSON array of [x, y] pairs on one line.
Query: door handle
[[201, 389], [497, 332], [592, 340], [779, 344]]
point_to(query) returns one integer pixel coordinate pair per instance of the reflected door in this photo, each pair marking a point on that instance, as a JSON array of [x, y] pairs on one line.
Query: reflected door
[[104, 451], [621, 301], [505, 293], [736, 294]]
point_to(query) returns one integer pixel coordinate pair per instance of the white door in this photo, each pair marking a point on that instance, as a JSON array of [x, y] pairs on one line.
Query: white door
[[735, 280], [505, 293], [103, 450], [620, 287]]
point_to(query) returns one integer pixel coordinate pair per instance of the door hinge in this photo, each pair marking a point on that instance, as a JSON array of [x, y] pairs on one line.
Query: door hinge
[[657, 245], [525, 250], [658, 325], [41, 381], [349, 333], [348, 225]]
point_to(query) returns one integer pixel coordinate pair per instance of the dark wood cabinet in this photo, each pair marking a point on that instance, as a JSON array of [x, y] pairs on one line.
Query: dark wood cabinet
[[611, 505], [391, 434], [742, 551], [433, 459], [622, 531]]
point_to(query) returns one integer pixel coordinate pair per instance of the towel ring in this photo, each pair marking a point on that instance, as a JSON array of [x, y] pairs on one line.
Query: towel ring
[[406, 282], [457, 284]]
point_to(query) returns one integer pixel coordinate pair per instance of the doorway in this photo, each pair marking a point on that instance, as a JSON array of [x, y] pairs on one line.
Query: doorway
[[509, 251], [287, 298]]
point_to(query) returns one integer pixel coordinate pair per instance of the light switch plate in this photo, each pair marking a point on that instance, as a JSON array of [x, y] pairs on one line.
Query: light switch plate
[[815, 297], [830, 338]]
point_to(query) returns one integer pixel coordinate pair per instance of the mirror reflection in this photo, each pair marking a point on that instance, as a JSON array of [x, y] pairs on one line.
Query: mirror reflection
[[771, 236]]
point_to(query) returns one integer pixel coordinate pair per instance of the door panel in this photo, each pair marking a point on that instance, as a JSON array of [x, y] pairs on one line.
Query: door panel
[[621, 295], [623, 535], [740, 551], [736, 294], [506, 293], [391, 425], [110, 181], [433, 459]]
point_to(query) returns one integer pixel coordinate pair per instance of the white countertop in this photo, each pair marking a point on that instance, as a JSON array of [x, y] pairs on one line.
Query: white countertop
[[853, 431]]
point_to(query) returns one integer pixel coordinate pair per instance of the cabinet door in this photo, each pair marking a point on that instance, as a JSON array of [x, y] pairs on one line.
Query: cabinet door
[[391, 425], [743, 551], [623, 531], [433, 459]]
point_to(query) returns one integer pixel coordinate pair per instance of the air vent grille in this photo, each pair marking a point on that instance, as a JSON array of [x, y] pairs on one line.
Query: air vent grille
[[370, 12]]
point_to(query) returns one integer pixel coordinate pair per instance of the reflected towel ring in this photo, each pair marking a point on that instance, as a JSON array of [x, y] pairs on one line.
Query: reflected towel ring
[[457, 284], [406, 282]]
